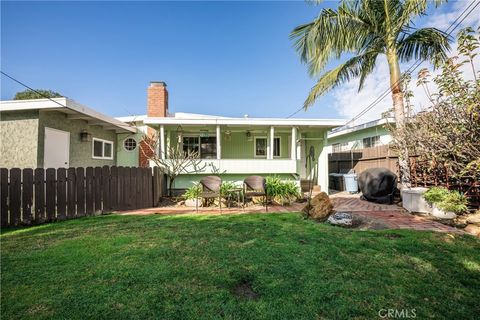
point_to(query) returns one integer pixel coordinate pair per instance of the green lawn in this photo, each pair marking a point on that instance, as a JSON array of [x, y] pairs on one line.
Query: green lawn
[[202, 267]]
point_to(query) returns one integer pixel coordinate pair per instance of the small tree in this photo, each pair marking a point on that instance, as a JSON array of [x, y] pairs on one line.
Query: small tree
[[448, 131], [176, 161], [36, 94]]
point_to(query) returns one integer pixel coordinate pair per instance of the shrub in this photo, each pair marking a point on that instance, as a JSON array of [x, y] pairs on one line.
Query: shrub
[[455, 202], [280, 191], [446, 200], [435, 195], [193, 192], [226, 189]]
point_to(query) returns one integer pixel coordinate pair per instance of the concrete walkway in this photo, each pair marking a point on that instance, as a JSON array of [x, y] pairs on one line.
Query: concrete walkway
[[392, 216]]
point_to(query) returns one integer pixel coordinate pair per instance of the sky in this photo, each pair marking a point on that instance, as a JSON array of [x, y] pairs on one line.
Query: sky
[[223, 58]]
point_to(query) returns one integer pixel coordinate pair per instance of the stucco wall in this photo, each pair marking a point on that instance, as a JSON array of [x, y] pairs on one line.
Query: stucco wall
[[18, 139], [80, 152]]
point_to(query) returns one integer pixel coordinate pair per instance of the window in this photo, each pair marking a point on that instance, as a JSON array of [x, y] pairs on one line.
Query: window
[[102, 149], [261, 147], [371, 142], [130, 144], [339, 147], [205, 147], [276, 147]]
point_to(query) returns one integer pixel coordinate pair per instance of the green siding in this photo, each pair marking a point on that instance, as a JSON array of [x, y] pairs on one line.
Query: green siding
[[80, 152], [18, 139], [357, 136]]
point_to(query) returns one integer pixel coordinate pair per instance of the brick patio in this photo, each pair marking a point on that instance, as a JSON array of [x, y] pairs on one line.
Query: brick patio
[[392, 216]]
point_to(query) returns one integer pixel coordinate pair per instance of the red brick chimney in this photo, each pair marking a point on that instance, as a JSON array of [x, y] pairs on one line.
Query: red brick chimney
[[157, 104]]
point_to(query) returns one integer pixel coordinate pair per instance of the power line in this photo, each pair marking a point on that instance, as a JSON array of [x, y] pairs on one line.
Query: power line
[[415, 65]]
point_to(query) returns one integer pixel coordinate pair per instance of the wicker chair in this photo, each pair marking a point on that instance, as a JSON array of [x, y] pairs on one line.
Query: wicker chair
[[255, 186], [211, 189]]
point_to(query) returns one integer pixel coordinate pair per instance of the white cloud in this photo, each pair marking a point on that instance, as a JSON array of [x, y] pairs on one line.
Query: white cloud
[[349, 102]]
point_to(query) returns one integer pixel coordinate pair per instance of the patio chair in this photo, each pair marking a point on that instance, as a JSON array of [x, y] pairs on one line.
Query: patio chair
[[255, 186], [211, 189]]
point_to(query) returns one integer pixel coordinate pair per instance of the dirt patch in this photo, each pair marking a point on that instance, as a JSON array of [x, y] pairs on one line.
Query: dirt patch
[[243, 289]]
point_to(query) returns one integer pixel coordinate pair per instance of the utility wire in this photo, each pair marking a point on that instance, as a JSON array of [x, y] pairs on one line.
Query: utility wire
[[415, 65]]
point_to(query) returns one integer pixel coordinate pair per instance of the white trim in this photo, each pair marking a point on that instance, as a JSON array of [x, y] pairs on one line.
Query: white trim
[[219, 143], [68, 106], [103, 149], [255, 147], [340, 131], [293, 147], [136, 144], [162, 142], [279, 147]]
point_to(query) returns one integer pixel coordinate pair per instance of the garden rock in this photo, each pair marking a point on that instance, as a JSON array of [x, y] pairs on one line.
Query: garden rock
[[320, 207], [473, 230], [342, 219]]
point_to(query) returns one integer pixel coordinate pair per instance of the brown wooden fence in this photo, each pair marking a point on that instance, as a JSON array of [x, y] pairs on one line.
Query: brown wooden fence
[[32, 196], [362, 159]]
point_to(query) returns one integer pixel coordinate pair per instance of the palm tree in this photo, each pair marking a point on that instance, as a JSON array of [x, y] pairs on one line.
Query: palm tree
[[367, 29]]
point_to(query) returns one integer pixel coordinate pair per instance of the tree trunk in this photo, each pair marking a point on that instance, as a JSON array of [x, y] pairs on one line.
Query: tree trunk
[[399, 114]]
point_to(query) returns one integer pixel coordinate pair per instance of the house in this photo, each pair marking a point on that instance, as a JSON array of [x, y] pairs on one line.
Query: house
[[367, 135], [60, 132], [239, 147]]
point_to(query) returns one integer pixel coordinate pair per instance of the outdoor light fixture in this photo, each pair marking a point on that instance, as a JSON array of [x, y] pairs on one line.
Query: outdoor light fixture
[[228, 135], [85, 136], [180, 134], [249, 136]]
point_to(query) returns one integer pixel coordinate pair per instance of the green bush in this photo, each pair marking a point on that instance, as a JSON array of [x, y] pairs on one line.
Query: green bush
[[283, 192], [193, 192], [446, 200], [435, 195], [226, 190], [455, 202]]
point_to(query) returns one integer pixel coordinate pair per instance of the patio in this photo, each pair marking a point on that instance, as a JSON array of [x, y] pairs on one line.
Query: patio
[[391, 216]]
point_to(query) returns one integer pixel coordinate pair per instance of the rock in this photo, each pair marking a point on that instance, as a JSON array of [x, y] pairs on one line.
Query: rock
[[192, 203], [342, 219], [320, 207], [474, 218], [473, 230]]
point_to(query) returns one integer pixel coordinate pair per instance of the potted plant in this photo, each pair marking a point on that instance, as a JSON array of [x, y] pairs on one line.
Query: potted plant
[[446, 204], [192, 196]]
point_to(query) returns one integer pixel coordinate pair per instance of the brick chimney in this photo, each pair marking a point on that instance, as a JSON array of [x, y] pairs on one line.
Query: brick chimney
[[157, 104]]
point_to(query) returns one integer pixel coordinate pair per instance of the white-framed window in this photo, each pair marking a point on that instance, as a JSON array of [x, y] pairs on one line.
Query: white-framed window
[[130, 144], [339, 147], [371, 142], [205, 147], [261, 147], [102, 149]]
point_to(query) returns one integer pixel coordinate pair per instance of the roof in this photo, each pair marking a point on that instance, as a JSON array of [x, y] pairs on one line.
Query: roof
[[346, 130], [72, 109], [199, 119]]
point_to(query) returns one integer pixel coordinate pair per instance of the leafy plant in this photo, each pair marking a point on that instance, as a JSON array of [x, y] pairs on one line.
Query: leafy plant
[[435, 195], [283, 192], [455, 202], [193, 192], [226, 189]]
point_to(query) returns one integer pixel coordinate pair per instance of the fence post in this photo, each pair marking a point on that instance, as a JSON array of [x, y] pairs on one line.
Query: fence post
[[80, 177], [27, 195], [61, 193], [50, 194], [39, 195], [71, 193], [3, 197], [89, 184]]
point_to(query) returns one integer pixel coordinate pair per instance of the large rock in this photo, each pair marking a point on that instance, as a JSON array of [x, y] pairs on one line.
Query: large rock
[[378, 185], [320, 207], [344, 219], [473, 230]]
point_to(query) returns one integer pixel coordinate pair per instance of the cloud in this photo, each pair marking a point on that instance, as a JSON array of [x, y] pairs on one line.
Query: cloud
[[349, 102]]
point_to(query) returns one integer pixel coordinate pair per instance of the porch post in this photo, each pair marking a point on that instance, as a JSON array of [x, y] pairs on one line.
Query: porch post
[[323, 165], [219, 147], [293, 148], [299, 147], [162, 142], [272, 136]]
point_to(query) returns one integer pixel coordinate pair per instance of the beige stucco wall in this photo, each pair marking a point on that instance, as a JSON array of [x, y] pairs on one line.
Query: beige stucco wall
[[18, 139], [80, 152]]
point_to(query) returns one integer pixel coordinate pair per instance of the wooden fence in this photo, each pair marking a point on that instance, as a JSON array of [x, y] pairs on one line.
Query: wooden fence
[[32, 196], [362, 159]]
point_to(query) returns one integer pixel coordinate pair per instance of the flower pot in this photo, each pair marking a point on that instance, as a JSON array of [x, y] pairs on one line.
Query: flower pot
[[413, 201], [441, 214]]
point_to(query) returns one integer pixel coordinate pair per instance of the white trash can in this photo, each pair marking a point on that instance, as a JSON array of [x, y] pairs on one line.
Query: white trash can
[[351, 184]]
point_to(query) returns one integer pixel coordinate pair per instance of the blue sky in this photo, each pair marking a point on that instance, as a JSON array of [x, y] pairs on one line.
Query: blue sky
[[227, 58]]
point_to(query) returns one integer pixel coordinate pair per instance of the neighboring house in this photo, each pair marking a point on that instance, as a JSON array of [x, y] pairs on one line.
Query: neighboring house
[[59, 132], [240, 146], [367, 135]]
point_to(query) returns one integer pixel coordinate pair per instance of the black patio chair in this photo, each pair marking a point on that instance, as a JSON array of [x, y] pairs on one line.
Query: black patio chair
[[211, 189], [255, 186]]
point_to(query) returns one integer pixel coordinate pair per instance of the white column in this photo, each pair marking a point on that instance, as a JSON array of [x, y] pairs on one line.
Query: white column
[[219, 147], [169, 143], [293, 148], [272, 136], [323, 165], [299, 146], [162, 142]]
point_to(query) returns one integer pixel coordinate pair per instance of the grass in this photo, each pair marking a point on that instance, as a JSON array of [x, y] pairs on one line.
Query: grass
[[267, 266]]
